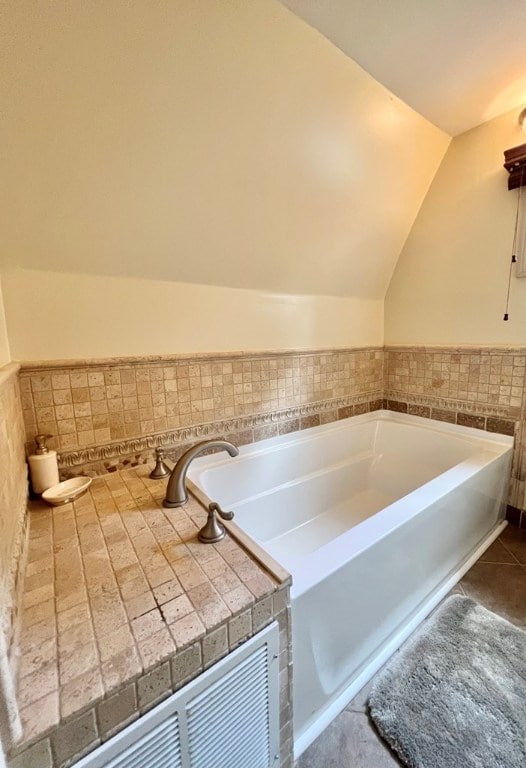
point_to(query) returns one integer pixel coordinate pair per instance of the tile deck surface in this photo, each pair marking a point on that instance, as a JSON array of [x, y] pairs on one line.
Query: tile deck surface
[[115, 586]]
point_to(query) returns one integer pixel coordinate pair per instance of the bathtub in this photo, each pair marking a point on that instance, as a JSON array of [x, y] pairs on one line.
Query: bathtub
[[376, 517]]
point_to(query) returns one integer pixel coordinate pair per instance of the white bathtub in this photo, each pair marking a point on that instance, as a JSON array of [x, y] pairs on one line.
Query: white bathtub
[[376, 517]]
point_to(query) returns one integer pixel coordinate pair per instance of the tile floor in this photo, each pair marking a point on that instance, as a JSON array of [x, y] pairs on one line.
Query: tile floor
[[498, 581]]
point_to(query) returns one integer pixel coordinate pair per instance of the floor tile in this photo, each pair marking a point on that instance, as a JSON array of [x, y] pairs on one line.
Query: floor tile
[[500, 588], [350, 741], [514, 539], [497, 553]]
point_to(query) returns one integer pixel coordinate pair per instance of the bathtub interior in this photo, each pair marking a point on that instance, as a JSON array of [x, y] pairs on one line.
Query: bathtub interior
[[295, 494]]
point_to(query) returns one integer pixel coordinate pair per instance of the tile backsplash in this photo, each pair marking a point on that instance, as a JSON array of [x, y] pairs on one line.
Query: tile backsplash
[[109, 414], [485, 380], [105, 414], [481, 387], [13, 498]]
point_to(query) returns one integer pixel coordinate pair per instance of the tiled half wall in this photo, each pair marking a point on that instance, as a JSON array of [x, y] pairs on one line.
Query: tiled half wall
[[108, 414], [479, 387], [13, 550], [13, 497]]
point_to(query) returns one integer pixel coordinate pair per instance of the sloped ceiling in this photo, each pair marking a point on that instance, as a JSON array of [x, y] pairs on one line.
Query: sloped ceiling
[[457, 63], [203, 141]]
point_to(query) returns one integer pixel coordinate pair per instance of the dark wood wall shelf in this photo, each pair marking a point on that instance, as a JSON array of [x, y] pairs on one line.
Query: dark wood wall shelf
[[515, 164]]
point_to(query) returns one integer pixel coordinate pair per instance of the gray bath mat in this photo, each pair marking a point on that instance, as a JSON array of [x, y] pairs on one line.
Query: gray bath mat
[[455, 695]]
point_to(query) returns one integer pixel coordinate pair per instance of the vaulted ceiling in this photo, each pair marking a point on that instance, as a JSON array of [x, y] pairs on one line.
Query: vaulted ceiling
[[458, 63], [203, 142]]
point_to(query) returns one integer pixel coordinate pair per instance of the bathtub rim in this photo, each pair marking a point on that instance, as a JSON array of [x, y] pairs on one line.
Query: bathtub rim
[[251, 450], [301, 578], [250, 545], [350, 544]]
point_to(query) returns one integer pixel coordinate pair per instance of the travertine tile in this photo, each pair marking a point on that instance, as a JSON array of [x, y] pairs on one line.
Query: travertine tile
[[40, 717], [215, 645], [37, 756], [33, 637], [120, 669], [75, 738], [38, 613], [76, 662], [156, 648], [139, 605], [177, 608], [119, 640], [186, 665], [167, 591], [117, 711], [143, 406], [38, 683], [40, 654], [148, 624], [262, 613], [187, 630], [154, 686], [81, 692], [239, 628], [238, 598], [78, 614]]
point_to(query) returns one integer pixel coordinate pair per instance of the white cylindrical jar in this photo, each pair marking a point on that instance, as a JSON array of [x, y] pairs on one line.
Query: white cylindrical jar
[[43, 466]]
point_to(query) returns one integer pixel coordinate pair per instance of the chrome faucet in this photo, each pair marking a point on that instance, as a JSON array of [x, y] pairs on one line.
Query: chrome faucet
[[176, 493]]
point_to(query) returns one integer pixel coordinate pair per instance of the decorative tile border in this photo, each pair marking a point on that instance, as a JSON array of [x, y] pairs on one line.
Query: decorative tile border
[[247, 429], [457, 406]]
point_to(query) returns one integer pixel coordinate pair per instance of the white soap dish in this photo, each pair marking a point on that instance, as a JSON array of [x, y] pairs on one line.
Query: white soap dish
[[67, 491]]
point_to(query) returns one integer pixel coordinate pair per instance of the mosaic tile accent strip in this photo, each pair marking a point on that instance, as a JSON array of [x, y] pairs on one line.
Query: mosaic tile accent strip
[[122, 606]]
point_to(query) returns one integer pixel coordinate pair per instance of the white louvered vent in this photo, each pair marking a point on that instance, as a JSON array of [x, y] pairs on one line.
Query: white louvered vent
[[228, 724], [225, 718], [161, 748]]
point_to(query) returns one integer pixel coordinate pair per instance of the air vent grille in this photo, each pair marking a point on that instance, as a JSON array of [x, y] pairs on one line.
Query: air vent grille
[[227, 717], [160, 748], [228, 724]]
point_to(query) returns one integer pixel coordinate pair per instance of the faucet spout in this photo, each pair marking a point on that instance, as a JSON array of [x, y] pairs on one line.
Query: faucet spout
[[176, 493]]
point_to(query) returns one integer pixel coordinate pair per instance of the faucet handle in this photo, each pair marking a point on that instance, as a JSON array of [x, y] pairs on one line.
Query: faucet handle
[[160, 470], [213, 530], [225, 515]]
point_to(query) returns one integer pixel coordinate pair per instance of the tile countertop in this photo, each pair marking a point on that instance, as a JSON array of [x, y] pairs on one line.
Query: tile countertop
[[115, 587]]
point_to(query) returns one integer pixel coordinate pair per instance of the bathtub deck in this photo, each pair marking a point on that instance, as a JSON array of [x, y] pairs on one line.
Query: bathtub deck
[[498, 581]]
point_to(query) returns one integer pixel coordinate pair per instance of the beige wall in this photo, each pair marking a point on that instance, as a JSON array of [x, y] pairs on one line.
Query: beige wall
[[203, 141], [56, 315], [5, 354], [449, 286]]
